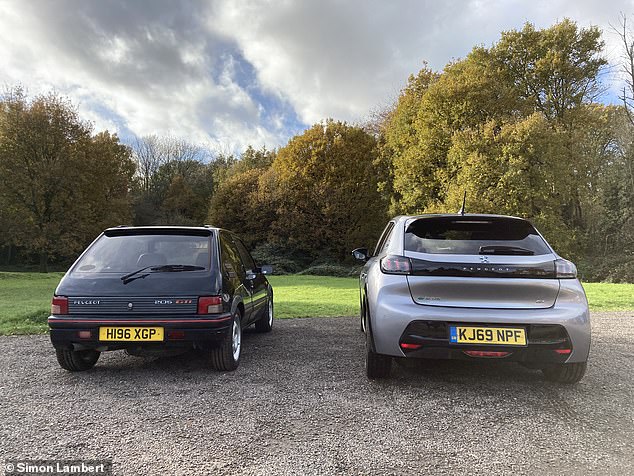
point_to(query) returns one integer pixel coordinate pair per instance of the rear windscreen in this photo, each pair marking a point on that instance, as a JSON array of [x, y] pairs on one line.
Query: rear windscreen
[[127, 253], [474, 236]]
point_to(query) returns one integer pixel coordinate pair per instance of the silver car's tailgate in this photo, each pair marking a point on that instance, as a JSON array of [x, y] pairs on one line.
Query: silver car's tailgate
[[491, 282]]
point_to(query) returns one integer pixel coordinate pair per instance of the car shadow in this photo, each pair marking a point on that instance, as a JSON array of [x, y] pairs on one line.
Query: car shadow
[[449, 371]]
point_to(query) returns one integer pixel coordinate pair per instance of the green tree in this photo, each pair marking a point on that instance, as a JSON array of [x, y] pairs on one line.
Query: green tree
[[325, 191], [552, 72], [240, 206]]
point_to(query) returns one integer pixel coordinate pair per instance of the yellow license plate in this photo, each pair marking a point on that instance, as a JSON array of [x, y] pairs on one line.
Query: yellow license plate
[[131, 334], [487, 335]]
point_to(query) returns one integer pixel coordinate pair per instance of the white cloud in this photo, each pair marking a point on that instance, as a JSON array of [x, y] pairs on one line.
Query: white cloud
[[234, 73], [338, 59]]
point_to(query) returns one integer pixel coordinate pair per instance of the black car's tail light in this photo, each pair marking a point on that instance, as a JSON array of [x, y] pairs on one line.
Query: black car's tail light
[[565, 269], [209, 305], [396, 265], [59, 305]]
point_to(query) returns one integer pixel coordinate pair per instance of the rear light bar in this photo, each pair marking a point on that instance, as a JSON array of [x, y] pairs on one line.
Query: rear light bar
[[486, 353], [565, 269], [209, 305], [563, 351], [408, 346], [59, 305], [396, 265]]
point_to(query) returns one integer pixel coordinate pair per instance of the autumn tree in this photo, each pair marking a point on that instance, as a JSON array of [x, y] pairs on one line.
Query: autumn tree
[[59, 184], [509, 124], [325, 191], [241, 203]]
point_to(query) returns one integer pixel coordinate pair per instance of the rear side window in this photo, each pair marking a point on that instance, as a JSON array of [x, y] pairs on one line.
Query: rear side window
[[474, 236], [247, 260], [230, 257], [385, 239]]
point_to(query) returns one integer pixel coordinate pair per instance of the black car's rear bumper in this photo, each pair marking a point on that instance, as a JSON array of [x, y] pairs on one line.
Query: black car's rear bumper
[[546, 344], [179, 332]]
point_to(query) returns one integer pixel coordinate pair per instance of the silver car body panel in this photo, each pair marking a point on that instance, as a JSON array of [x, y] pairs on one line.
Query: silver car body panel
[[392, 299]]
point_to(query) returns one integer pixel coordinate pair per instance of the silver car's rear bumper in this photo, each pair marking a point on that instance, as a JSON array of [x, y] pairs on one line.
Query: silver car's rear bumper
[[392, 309]]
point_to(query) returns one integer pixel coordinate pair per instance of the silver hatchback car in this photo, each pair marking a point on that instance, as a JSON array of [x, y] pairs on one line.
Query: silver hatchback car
[[471, 286]]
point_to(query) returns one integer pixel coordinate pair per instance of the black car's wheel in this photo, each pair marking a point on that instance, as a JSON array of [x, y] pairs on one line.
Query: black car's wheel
[[377, 366], [565, 373], [265, 323], [77, 360], [226, 356]]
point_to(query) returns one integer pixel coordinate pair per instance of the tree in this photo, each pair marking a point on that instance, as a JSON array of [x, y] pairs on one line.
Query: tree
[[238, 205], [59, 185], [555, 69], [552, 72], [325, 191]]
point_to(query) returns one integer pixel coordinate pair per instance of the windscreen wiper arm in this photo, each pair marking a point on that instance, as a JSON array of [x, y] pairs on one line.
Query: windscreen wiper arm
[[166, 268], [505, 250]]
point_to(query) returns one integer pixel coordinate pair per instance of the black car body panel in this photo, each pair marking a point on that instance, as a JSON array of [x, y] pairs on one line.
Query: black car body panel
[[167, 299]]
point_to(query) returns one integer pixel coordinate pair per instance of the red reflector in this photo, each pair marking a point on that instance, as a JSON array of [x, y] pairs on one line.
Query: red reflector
[[59, 305], [406, 346], [84, 334], [175, 335], [485, 353], [209, 305], [563, 351]]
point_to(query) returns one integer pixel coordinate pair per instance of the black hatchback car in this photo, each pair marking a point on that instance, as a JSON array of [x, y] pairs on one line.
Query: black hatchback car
[[160, 289]]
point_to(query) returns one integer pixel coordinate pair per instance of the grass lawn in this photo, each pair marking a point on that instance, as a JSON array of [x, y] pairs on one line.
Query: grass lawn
[[25, 301], [25, 298]]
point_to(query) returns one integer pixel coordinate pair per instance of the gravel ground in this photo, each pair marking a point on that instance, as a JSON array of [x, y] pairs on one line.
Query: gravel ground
[[300, 404]]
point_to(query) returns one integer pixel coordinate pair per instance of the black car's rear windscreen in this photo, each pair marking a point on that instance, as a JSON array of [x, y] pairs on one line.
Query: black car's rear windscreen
[[120, 252], [474, 236]]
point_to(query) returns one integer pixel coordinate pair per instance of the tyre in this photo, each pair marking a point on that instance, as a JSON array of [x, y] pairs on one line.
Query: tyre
[[77, 360], [362, 320], [265, 323], [377, 366], [565, 373], [226, 356]]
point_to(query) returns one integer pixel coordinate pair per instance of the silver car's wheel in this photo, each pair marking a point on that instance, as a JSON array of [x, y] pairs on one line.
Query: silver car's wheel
[[565, 373], [364, 315], [377, 366]]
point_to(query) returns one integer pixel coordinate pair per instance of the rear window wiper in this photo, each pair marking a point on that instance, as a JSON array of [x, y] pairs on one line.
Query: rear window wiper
[[166, 268], [505, 250]]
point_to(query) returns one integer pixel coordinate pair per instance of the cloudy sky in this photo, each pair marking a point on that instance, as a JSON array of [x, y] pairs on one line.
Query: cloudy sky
[[231, 73]]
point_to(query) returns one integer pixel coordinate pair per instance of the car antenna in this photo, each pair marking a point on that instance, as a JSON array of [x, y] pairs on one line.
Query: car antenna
[[464, 202]]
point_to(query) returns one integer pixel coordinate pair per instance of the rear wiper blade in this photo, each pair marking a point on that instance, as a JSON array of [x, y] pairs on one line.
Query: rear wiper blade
[[505, 250], [166, 268], [126, 277]]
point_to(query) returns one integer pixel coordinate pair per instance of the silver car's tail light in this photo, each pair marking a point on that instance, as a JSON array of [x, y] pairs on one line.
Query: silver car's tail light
[[565, 269], [396, 265]]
